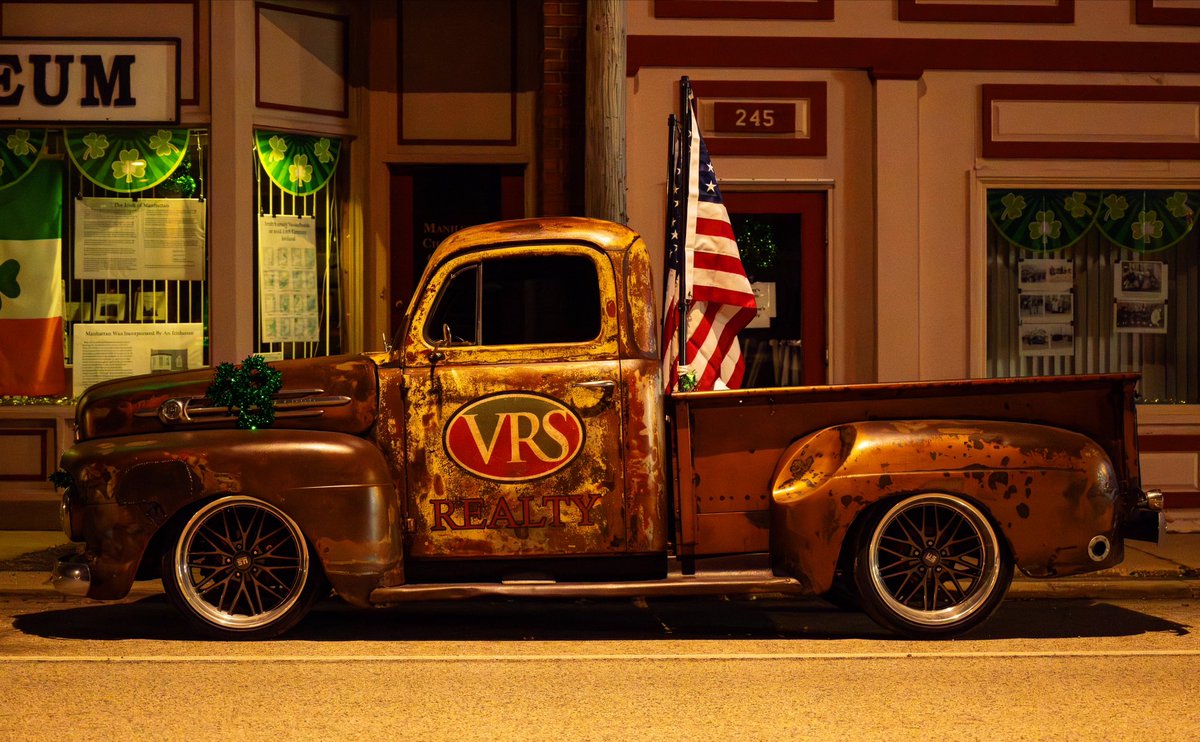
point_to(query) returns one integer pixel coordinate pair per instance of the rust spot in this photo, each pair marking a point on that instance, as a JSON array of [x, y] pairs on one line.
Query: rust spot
[[998, 479], [1023, 510], [885, 482]]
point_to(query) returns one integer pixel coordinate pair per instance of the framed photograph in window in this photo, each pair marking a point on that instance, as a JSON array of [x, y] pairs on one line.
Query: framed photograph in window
[[1045, 275], [1140, 317], [1140, 280]]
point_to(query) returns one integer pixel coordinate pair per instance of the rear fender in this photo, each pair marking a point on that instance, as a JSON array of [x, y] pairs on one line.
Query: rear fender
[[337, 487], [1049, 491]]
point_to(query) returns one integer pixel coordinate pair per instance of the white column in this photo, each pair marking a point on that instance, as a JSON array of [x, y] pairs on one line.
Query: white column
[[231, 221], [897, 230]]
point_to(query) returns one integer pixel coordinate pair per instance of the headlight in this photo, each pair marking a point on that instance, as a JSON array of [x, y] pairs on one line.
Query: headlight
[[70, 516]]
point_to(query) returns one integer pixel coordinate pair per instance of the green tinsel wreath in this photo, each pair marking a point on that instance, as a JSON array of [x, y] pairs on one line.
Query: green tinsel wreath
[[248, 389]]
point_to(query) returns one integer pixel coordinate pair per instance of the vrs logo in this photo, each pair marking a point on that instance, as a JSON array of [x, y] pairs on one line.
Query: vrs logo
[[513, 437]]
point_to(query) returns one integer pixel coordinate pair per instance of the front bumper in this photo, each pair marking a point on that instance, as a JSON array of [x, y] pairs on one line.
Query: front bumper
[[72, 576]]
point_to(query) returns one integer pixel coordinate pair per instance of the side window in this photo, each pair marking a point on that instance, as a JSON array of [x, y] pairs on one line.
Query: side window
[[540, 299], [523, 300]]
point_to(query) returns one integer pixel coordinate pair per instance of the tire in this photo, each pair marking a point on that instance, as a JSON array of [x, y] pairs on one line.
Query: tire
[[241, 568], [931, 566]]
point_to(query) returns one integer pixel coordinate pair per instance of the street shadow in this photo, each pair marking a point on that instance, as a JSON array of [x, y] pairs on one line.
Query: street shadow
[[504, 620]]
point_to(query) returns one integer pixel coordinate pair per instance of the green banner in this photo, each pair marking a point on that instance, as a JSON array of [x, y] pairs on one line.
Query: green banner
[[1148, 221], [300, 164], [1043, 220], [127, 160], [19, 150]]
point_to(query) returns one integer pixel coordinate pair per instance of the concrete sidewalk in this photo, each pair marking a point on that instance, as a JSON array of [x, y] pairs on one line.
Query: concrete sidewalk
[[1170, 569]]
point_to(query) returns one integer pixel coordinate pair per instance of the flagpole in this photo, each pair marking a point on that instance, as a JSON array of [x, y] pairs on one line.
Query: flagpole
[[672, 152], [685, 163]]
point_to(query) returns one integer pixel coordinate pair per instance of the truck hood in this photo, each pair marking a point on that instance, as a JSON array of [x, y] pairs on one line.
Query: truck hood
[[337, 393]]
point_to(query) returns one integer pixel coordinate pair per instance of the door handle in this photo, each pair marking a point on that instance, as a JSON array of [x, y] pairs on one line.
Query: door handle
[[605, 384]]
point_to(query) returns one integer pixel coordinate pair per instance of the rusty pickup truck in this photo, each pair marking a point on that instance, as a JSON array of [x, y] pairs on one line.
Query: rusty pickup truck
[[516, 442]]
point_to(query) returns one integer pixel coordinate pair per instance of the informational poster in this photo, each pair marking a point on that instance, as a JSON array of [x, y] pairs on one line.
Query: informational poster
[[110, 351], [287, 279], [150, 238]]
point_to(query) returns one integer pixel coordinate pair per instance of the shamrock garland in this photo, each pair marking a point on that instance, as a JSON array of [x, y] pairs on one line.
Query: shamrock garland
[[249, 390], [298, 164], [1047, 220]]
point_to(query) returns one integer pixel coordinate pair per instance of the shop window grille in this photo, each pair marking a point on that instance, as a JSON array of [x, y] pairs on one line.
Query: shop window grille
[[165, 301], [324, 207]]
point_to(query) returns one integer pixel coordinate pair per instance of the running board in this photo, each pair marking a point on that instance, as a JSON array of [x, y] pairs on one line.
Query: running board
[[710, 583]]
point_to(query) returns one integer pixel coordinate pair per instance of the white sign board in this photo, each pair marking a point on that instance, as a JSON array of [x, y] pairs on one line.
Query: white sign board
[[131, 81], [108, 351], [151, 238], [287, 279]]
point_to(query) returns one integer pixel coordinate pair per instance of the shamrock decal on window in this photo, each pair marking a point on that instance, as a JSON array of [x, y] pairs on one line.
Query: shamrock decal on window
[[278, 149], [1115, 207], [300, 172], [8, 280], [129, 166], [1076, 204], [97, 145], [1045, 227], [161, 143], [18, 143], [1177, 204], [1013, 206], [1147, 227], [321, 150]]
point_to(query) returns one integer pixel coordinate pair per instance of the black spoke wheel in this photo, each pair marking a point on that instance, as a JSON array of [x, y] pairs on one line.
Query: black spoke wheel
[[241, 568], [931, 565]]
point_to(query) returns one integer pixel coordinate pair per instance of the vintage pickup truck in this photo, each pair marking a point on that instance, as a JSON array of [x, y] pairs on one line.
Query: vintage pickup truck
[[516, 442]]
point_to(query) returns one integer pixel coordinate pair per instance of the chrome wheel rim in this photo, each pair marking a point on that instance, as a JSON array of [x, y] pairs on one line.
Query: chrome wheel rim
[[934, 559], [241, 563]]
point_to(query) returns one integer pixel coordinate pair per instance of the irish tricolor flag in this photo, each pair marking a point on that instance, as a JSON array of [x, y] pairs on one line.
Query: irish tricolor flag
[[31, 324]]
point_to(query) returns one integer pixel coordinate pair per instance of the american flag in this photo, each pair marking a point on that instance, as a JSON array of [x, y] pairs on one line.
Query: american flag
[[721, 300]]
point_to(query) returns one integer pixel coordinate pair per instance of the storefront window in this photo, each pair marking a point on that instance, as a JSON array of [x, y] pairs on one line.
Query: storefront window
[[1096, 281], [298, 297], [104, 250]]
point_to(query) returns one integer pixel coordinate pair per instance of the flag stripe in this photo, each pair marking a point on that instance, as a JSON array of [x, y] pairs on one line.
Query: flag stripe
[[714, 228], [31, 356]]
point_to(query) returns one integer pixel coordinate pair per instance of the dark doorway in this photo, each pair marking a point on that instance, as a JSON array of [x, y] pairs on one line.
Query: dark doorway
[[782, 240], [431, 202]]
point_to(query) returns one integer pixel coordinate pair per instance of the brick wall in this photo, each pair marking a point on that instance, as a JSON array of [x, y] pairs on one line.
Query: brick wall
[[562, 107]]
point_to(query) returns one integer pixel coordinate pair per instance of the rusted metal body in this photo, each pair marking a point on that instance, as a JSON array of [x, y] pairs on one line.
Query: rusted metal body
[[494, 462]]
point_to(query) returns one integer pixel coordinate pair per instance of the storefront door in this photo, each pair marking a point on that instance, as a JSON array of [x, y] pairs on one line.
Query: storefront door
[[783, 243], [430, 202]]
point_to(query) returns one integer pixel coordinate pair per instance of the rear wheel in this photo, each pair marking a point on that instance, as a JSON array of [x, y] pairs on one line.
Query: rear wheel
[[241, 569], [931, 566]]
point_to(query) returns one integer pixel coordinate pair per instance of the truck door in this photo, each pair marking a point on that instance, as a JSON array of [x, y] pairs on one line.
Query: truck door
[[513, 419]]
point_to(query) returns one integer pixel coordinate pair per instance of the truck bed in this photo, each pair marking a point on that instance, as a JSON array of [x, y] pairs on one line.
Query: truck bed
[[727, 444]]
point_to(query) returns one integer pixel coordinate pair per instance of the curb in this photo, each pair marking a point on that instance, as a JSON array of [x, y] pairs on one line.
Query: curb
[[1111, 589]]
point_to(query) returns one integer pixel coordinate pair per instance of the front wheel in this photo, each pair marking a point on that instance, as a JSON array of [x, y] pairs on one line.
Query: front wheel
[[241, 569], [931, 566]]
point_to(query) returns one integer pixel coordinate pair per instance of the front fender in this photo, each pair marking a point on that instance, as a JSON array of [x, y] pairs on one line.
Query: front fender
[[1049, 491], [337, 487]]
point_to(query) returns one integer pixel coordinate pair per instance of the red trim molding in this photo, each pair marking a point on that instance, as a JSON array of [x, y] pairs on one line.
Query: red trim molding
[[796, 10], [891, 55], [815, 145], [1168, 443], [1084, 149], [1147, 13], [43, 435], [1063, 11]]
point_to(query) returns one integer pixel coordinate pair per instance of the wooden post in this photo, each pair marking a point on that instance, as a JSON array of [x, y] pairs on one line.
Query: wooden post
[[604, 113]]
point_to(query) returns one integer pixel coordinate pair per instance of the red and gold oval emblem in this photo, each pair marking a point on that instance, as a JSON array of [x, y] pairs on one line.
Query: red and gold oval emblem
[[513, 437]]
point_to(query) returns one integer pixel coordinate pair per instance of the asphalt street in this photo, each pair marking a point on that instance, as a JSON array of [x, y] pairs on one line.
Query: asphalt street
[[612, 669]]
